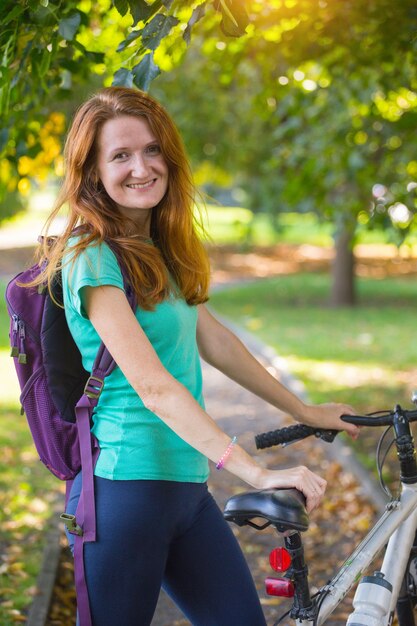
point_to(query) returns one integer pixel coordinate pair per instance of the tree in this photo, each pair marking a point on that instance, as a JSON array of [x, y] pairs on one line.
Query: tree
[[324, 92], [347, 120], [326, 111], [51, 49]]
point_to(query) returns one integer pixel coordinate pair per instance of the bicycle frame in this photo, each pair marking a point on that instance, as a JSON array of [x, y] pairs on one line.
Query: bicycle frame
[[396, 526]]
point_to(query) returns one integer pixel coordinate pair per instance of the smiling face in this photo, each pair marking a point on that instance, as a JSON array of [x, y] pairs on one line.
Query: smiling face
[[131, 167]]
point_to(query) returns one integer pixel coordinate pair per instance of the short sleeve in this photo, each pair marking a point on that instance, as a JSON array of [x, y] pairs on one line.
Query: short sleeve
[[96, 266]]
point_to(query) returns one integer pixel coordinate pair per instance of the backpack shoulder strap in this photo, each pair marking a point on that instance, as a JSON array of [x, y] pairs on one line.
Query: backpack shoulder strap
[[103, 365]]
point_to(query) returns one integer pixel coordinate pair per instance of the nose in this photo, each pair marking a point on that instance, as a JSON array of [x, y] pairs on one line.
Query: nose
[[139, 166]]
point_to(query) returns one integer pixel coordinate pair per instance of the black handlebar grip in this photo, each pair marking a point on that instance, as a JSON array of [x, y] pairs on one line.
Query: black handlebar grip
[[283, 435]]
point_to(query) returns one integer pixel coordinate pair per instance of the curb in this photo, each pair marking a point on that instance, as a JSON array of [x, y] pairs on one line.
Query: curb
[[39, 609]]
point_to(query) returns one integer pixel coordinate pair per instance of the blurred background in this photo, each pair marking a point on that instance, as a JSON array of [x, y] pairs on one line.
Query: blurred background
[[299, 117]]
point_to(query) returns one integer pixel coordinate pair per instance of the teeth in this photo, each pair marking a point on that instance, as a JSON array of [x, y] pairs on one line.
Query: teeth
[[140, 185]]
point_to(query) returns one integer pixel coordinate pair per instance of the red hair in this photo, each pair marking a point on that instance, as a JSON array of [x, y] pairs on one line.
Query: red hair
[[177, 249]]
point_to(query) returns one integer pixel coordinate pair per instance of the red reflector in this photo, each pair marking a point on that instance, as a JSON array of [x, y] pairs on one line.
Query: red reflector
[[280, 559], [281, 587]]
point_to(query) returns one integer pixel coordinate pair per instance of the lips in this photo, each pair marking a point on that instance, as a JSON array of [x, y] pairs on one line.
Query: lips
[[149, 183]]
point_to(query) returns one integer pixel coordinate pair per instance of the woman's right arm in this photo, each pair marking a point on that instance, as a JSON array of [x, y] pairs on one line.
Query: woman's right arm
[[117, 326]]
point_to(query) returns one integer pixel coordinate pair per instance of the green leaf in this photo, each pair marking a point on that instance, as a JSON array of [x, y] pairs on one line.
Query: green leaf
[[198, 13], [4, 76], [68, 64], [44, 17], [158, 28], [122, 6], [40, 59], [95, 57], [134, 34], [69, 26], [145, 72], [14, 13], [123, 78], [141, 11], [227, 12], [235, 18], [45, 62]]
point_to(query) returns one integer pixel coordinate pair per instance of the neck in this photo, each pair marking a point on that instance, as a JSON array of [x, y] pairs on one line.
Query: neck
[[139, 227]]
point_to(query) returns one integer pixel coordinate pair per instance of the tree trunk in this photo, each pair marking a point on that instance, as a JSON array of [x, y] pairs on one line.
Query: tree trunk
[[343, 270]]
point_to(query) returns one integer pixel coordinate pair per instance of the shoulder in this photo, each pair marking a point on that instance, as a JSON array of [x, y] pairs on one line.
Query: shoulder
[[94, 251], [94, 264]]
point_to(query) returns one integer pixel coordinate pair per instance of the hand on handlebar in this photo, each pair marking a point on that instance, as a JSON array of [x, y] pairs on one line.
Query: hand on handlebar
[[328, 416]]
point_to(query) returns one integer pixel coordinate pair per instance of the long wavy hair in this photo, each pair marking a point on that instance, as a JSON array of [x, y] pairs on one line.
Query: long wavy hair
[[176, 252]]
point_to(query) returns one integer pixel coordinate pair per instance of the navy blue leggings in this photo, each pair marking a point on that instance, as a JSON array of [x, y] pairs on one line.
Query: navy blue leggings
[[170, 534]]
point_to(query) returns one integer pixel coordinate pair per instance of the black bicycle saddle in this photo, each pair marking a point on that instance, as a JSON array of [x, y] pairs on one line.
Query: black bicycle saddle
[[284, 508]]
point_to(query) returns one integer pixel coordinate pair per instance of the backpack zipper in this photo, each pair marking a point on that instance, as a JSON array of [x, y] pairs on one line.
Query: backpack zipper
[[27, 328], [18, 339], [22, 336], [15, 350]]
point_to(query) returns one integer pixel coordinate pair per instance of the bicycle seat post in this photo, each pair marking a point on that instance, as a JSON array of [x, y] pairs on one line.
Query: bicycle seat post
[[303, 607]]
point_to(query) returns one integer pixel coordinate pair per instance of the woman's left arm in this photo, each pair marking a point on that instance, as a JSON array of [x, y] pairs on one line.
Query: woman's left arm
[[220, 347]]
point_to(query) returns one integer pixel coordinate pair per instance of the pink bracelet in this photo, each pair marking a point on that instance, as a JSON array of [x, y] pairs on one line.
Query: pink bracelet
[[226, 454]]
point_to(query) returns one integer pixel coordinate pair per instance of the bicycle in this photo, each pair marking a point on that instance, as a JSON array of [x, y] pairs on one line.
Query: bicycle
[[390, 590]]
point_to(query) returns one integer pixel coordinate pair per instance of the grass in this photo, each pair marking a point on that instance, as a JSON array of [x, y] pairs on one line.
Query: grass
[[232, 225], [224, 224], [364, 356], [28, 494], [27, 500]]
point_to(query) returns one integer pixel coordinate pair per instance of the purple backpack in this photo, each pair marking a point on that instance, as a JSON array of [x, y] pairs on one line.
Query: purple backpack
[[58, 396]]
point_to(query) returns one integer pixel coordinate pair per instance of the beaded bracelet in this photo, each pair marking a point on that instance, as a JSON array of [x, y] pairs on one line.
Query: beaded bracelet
[[226, 454]]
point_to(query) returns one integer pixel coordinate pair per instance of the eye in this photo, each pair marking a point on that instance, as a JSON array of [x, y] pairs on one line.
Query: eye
[[120, 155], [154, 149]]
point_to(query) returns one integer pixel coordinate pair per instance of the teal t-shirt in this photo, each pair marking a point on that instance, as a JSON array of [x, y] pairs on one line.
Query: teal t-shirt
[[134, 442]]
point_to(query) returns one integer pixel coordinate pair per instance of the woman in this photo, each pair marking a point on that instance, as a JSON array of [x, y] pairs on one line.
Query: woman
[[128, 182]]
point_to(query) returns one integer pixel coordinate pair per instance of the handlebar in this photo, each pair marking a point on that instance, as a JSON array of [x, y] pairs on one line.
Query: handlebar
[[380, 418], [290, 434], [296, 432]]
